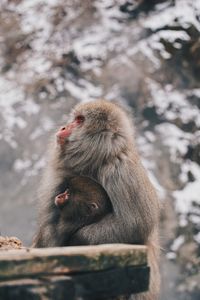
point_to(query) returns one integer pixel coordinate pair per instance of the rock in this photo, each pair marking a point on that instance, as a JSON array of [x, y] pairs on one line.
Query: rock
[[7, 243]]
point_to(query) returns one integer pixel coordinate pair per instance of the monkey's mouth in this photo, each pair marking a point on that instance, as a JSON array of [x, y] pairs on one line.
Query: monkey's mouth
[[62, 135], [60, 140], [64, 132], [61, 199]]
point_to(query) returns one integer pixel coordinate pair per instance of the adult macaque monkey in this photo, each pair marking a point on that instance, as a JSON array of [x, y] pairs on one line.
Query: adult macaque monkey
[[98, 142]]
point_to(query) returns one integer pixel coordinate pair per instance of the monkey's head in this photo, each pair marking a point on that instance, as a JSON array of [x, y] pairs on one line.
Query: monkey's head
[[84, 201], [92, 119]]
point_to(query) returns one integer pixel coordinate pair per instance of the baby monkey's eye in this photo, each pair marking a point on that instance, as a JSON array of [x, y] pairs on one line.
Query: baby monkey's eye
[[80, 119], [94, 206]]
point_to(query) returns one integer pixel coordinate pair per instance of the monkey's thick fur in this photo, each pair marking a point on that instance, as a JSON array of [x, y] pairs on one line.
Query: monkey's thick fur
[[103, 148]]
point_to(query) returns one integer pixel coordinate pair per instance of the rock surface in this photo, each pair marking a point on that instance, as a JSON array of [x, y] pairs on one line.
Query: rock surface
[[8, 243]]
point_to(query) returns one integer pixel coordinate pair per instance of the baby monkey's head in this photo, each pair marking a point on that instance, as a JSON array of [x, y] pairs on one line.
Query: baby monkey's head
[[84, 201]]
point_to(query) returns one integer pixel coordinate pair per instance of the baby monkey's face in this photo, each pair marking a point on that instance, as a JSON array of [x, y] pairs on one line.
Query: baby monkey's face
[[75, 206], [84, 200]]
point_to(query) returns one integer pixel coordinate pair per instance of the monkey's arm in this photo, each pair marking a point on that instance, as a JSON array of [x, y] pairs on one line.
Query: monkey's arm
[[135, 212], [103, 232], [38, 240]]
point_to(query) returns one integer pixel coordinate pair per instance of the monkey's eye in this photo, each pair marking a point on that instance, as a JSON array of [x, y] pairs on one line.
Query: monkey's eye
[[93, 206], [80, 119]]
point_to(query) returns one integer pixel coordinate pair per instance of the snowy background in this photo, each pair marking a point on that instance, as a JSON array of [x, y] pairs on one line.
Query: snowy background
[[55, 53]]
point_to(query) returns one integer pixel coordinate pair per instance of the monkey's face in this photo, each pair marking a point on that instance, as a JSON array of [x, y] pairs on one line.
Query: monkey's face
[[64, 133], [89, 119], [77, 207]]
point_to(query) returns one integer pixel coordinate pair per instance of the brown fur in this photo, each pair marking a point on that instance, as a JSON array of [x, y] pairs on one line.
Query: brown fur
[[104, 149], [87, 202]]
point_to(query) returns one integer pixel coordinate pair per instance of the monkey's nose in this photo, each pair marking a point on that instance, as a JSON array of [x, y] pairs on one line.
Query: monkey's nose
[[63, 133]]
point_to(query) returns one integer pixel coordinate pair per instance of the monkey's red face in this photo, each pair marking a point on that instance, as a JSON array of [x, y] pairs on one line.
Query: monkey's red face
[[64, 132], [91, 119]]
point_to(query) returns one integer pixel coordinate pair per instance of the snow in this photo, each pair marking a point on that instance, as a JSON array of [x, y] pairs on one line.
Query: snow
[[146, 150], [165, 23], [159, 189], [83, 91], [177, 243], [173, 103], [195, 92], [35, 169], [150, 136], [190, 193], [182, 13], [87, 46], [8, 137], [174, 138], [30, 107], [21, 165], [144, 46], [46, 125], [36, 133], [154, 43], [197, 238], [10, 93], [171, 36], [171, 255]]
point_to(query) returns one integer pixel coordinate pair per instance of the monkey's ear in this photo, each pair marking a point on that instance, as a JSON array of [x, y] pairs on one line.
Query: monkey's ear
[[93, 206]]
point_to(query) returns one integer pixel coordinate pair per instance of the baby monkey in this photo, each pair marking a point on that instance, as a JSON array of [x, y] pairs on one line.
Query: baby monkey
[[84, 202]]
